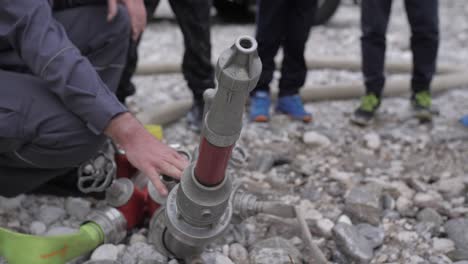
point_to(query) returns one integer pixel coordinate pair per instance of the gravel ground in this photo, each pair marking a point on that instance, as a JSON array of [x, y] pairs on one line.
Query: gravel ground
[[394, 192]]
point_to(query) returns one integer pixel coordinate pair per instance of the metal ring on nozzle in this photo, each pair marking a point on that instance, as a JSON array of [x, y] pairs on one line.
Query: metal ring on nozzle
[[246, 44]]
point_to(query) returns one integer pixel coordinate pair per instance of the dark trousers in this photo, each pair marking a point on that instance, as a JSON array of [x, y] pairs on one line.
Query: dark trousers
[[284, 23], [43, 139], [193, 17], [424, 21]]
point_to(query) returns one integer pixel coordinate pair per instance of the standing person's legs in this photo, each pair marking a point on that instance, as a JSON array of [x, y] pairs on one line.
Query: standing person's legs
[[44, 139], [194, 20], [271, 27], [126, 87], [299, 22], [374, 21], [423, 17]]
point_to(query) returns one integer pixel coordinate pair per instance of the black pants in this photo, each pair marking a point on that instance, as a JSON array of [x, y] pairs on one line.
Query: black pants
[[193, 17], [424, 21], [49, 140], [284, 23]]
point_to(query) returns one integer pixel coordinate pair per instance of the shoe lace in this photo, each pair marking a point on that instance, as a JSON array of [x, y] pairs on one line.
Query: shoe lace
[[369, 102], [423, 99]]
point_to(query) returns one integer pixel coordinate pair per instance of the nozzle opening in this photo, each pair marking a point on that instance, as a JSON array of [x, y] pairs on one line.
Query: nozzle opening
[[246, 44]]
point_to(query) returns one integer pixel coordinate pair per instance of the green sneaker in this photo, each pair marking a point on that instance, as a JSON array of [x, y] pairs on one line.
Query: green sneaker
[[422, 106], [365, 113]]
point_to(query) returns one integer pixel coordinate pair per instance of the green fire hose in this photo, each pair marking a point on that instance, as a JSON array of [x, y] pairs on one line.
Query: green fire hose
[[19, 248]]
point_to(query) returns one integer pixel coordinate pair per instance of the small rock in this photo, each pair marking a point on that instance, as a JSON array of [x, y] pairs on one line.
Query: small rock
[[443, 245], [137, 238], [50, 214], [363, 204], [274, 250], [407, 237], [325, 227], [10, 204], [238, 253], [142, 252], [61, 230], [388, 202], [215, 258], [372, 141], [309, 211], [430, 215], [37, 228], [373, 234], [316, 139], [345, 219], [78, 207], [404, 206], [352, 244], [105, 252]]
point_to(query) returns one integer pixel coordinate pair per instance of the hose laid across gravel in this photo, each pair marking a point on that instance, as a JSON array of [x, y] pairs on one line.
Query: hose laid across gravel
[[448, 77]]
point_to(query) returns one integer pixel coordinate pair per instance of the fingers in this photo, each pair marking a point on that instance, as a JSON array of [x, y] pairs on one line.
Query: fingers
[[111, 9], [156, 180], [179, 161], [170, 170]]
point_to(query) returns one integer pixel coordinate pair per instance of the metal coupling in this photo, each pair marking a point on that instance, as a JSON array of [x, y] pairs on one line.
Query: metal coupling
[[112, 223], [120, 192], [201, 205]]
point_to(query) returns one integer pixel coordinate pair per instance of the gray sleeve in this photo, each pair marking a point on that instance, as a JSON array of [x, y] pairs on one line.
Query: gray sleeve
[[43, 45]]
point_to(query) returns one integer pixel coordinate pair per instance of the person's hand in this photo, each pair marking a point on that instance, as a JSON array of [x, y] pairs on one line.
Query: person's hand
[[145, 152], [136, 10]]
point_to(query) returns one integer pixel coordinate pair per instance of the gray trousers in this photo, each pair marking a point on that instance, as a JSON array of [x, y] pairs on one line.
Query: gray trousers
[[39, 137]]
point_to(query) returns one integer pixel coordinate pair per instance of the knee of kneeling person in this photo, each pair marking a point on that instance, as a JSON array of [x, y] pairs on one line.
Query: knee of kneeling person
[[62, 150]]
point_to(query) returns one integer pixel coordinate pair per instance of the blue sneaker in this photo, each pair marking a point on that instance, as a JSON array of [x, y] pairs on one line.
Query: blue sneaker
[[260, 107], [292, 106], [464, 121]]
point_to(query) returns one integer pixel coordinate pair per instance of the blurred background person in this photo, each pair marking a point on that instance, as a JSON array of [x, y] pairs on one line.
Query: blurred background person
[[282, 23], [423, 17], [194, 18]]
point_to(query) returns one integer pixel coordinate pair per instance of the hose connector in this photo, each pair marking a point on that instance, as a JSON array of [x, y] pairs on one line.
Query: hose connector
[[112, 223]]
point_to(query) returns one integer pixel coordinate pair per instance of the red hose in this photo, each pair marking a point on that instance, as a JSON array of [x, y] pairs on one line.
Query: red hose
[[212, 163]]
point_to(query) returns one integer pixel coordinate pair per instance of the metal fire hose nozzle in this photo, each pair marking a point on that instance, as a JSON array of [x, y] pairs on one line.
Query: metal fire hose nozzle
[[112, 223], [198, 209], [237, 71]]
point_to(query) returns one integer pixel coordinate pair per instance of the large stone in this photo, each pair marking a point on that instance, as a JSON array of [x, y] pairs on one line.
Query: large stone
[[274, 250], [238, 253], [363, 204], [431, 216], [374, 235], [78, 207], [428, 200], [456, 230], [450, 188], [443, 245], [105, 252], [352, 244]]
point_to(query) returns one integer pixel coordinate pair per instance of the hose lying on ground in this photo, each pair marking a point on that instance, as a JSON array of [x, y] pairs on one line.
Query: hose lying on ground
[[19, 248], [448, 77]]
